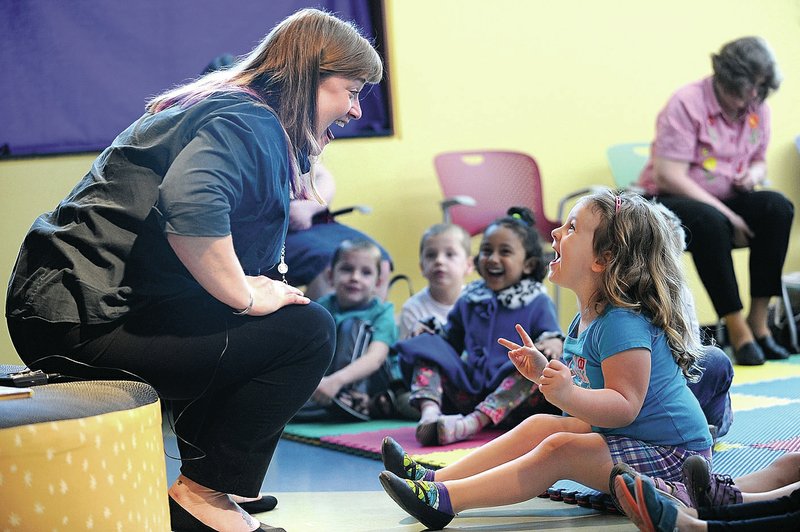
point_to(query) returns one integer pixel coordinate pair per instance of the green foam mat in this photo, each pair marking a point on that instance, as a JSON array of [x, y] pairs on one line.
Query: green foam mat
[[315, 431]]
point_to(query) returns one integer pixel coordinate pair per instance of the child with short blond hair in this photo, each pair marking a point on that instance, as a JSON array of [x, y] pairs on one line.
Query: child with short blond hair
[[444, 259]]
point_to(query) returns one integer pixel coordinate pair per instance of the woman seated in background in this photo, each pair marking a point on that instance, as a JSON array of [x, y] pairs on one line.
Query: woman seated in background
[[706, 161]]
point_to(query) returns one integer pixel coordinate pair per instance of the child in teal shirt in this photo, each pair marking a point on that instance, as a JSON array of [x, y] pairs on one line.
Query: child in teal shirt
[[358, 381]]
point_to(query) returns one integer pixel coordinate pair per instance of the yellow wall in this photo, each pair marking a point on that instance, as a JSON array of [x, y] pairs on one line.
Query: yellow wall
[[559, 80]]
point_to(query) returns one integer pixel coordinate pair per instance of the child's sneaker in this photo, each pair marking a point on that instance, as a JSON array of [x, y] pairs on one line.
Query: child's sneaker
[[420, 499], [396, 460], [673, 491], [722, 491], [427, 433], [706, 489], [676, 492]]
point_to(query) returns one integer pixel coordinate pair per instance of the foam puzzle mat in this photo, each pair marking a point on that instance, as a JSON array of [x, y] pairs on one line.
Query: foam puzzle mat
[[766, 424]]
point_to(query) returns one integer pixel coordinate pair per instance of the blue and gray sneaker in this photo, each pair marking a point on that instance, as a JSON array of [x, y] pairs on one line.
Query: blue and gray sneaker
[[421, 499], [396, 460]]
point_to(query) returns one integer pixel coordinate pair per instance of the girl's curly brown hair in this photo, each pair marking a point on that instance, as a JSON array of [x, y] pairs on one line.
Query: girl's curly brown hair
[[642, 269]]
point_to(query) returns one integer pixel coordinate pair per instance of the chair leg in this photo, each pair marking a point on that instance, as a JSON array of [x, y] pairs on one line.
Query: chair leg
[[790, 318]]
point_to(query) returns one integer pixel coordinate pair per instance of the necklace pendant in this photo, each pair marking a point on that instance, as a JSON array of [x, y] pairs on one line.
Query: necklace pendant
[[283, 267]]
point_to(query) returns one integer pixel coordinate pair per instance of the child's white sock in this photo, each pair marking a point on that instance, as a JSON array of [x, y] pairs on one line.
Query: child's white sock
[[457, 428], [429, 412]]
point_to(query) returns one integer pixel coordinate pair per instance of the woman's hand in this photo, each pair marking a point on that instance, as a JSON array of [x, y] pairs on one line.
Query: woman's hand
[[213, 263], [270, 295], [301, 212], [741, 231], [529, 361], [753, 176]]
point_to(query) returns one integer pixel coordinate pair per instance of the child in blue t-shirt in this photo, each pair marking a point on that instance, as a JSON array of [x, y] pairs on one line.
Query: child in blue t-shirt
[[622, 382], [355, 276]]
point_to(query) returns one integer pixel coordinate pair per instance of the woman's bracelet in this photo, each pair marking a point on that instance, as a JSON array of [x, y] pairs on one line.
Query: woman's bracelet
[[246, 310]]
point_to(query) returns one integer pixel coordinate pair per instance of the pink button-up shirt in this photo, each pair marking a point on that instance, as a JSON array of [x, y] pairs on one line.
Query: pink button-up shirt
[[692, 128]]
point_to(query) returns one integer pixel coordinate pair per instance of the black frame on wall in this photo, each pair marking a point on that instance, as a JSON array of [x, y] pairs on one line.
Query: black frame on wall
[[75, 74]]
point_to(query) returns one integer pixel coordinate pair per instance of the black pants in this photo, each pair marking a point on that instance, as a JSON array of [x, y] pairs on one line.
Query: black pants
[[709, 237], [232, 382], [782, 513]]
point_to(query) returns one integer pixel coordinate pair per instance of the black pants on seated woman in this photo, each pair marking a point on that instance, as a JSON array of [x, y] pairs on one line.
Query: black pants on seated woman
[[226, 378], [710, 239]]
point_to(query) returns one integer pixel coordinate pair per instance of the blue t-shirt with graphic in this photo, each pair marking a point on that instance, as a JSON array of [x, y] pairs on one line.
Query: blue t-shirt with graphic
[[670, 414]]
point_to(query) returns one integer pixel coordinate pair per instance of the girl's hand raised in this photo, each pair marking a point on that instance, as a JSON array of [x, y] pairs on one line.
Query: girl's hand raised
[[527, 359]]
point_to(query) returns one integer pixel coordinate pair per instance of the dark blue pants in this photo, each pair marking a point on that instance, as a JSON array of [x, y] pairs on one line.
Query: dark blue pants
[[232, 382], [776, 515], [712, 390]]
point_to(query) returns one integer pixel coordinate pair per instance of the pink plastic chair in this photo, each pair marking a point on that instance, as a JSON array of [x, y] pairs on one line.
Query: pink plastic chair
[[480, 186]]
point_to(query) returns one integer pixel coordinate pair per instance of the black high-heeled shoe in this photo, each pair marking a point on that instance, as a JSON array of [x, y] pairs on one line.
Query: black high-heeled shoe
[[182, 521]]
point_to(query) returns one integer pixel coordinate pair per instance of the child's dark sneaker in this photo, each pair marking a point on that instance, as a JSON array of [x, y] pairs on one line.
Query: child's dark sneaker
[[623, 493], [697, 478], [657, 512], [422, 500], [676, 492], [673, 491], [708, 489], [396, 460], [722, 491], [620, 468], [427, 433]]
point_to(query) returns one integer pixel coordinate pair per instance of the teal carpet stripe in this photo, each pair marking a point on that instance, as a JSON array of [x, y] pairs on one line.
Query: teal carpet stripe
[[763, 425], [743, 460]]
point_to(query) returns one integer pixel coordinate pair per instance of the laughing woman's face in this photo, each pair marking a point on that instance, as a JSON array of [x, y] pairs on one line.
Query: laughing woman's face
[[337, 103]]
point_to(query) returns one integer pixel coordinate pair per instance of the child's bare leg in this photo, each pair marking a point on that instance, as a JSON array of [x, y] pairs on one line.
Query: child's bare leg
[[772, 494], [784, 470], [584, 458], [511, 445], [689, 524]]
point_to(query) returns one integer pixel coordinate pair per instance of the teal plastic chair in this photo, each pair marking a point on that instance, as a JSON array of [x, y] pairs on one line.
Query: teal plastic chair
[[627, 161]]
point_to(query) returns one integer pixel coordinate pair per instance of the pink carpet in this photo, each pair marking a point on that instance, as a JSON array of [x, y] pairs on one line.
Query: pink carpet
[[370, 442]]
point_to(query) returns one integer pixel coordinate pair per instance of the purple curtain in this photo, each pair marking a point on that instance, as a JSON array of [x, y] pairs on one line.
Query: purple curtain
[[74, 74]]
